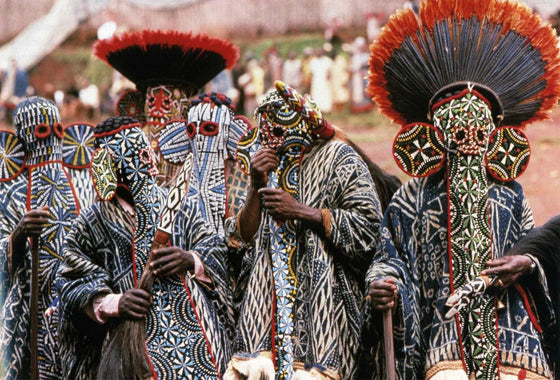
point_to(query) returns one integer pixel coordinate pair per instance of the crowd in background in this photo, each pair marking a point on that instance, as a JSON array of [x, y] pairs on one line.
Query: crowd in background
[[333, 77]]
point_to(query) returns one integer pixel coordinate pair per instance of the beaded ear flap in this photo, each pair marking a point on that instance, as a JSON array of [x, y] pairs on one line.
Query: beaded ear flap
[[104, 174], [78, 145], [419, 150], [508, 153], [249, 143], [12, 156]]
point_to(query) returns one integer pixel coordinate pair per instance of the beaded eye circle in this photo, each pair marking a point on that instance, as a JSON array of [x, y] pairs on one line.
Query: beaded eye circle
[[191, 130], [42, 131], [209, 128], [58, 130]]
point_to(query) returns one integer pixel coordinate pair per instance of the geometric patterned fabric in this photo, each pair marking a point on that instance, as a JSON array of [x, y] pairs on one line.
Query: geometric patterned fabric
[[327, 269], [415, 251], [210, 328], [181, 329]]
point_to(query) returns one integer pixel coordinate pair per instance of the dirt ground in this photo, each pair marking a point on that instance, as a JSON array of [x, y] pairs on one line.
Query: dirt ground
[[541, 180]]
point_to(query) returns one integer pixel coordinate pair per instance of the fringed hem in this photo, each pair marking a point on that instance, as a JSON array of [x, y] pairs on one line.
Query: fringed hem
[[250, 367], [455, 365], [314, 372]]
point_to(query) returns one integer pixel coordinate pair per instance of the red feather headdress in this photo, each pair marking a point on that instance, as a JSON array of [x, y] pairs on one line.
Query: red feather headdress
[[157, 57]]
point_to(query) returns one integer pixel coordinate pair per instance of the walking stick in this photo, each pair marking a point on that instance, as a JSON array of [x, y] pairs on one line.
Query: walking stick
[[34, 307], [388, 341]]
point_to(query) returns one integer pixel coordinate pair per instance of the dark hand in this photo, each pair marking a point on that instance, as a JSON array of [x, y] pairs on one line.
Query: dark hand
[[508, 269], [31, 224], [171, 260], [280, 204], [383, 293], [134, 304], [262, 162]]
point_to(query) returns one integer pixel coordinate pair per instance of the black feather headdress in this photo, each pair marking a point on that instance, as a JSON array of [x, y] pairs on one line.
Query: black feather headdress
[[156, 57], [502, 48]]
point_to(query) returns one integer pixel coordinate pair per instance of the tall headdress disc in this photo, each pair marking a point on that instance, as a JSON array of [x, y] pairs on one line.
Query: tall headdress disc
[[156, 57], [502, 48]]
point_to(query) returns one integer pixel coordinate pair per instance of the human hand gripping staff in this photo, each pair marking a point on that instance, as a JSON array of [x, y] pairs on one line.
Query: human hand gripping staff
[[30, 221], [31, 226], [383, 294]]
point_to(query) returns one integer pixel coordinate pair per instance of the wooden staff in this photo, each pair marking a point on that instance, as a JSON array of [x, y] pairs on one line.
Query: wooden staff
[[34, 307], [388, 341]]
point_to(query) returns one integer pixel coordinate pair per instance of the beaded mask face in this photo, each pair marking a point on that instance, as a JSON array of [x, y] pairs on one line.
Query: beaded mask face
[[37, 123], [163, 103], [280, 126], [463, 125], [124, 157], [287, 123]]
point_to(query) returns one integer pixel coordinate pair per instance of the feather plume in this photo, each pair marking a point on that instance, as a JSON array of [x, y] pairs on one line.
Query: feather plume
[[500, 45], [156, 57]]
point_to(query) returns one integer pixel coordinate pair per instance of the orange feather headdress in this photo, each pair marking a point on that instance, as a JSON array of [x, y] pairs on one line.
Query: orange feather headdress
[[501, 47]]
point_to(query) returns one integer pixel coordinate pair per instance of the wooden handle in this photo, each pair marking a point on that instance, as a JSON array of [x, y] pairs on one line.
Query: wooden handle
[[388, 341], [146, 282], [34, 308]]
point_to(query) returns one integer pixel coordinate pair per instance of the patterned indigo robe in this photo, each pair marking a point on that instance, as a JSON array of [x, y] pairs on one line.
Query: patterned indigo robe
[[414, 251], [330, 270], [100, 260], [44, 182]]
